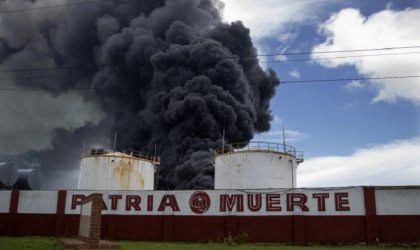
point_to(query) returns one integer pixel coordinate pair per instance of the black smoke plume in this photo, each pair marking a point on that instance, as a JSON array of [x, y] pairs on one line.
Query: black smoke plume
[[167, 75]]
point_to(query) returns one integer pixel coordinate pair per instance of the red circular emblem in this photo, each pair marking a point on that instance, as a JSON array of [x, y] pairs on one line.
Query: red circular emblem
[[200, 202]]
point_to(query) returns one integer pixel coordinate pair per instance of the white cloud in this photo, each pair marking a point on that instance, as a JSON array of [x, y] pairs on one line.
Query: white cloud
[[277, 120], [286, 37], [277, 136], [353, 85], [396, 163], [28, 119], [295, 74], [352, 104], [294, 135], [349, 29], [280, 56], [268, 18]]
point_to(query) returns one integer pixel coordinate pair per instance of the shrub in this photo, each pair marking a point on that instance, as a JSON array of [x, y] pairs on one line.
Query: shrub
[[239, 239]]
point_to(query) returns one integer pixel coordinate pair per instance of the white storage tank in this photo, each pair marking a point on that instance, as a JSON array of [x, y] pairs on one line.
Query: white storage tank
[[108, 170], [256, 165], [8, 174], [29, 179]]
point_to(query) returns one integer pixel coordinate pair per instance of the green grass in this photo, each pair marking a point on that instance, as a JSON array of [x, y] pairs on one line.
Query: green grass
[[47, 243], [130, 245], [29, 243]]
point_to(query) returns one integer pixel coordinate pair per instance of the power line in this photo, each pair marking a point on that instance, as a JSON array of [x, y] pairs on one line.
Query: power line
[[338, 57], [349, 79], [281, 82], [138, 64], [58, 89], [37, 77], [335, 51], [61, 68], [52, 6], [73, 67]]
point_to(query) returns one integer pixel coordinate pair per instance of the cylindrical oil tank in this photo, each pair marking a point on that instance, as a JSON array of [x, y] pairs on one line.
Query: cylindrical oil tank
[[257, 165], [29, 179], [8, 174], [108, 170]]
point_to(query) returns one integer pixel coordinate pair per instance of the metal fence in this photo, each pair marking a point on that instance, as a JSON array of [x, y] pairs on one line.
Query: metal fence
[[134, 153], [260, 146]]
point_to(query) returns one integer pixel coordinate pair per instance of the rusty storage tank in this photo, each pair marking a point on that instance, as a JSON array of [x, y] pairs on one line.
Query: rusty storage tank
[[8, 174], [102, 169], [256, 165], [28, 179]]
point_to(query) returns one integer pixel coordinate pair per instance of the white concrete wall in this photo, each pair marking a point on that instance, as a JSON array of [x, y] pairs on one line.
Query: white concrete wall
[[37, 202], [5, 201], [398, 201], [255, 170], [389, 201]]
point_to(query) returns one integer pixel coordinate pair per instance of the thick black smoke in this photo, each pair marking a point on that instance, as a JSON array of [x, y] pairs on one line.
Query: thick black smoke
[[170, 74]]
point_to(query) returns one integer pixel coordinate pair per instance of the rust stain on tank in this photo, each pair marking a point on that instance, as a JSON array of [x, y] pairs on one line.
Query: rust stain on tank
[[121, 174], [141, 181], [126, 171]]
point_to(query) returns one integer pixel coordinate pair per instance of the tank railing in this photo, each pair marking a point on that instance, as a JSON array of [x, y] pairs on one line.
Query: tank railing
[[260, 146], [135, 153], [299, 156]]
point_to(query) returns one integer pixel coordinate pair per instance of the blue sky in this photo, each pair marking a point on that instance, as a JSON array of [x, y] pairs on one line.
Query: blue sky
[[352, 133]]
